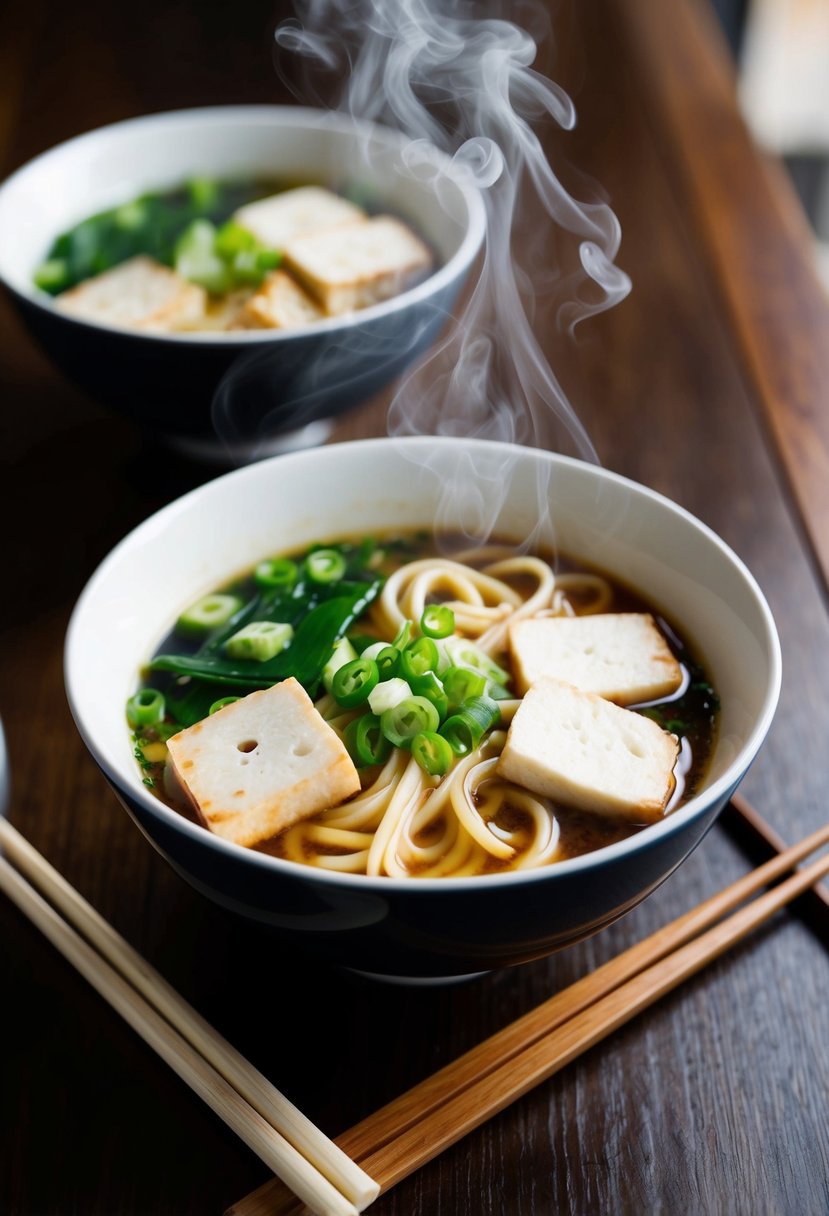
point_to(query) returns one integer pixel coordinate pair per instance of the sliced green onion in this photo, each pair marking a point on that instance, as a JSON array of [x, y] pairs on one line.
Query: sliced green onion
[[465, 729], [267, 259], [408, 718], [342, 653], [204, 193], [365, 741], [145, 708], [498, 692], [461, 683], [245, 267], [429, 686], [197, 261], [437, 621], [276, 572], [325, 565], [232, 238], [463, 653], [387, 694], [132, 216], [53, 275], [220, 704], [353, 682], [418, 657], [433, 753], [388, 662], [259, 640], [403, 635], [208, 613]]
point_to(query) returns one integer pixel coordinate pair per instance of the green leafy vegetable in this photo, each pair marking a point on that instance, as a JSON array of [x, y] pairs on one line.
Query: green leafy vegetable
[[314, 638]]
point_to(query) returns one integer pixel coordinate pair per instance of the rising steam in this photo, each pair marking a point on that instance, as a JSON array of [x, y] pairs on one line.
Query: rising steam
[[443, 73]]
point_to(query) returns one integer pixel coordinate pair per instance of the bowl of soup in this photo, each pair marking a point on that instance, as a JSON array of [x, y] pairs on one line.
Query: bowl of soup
[[231, 278], [425, 707]]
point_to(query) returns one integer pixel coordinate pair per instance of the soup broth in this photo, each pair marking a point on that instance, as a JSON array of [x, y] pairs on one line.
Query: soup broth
[[233, 255], [406, 821]]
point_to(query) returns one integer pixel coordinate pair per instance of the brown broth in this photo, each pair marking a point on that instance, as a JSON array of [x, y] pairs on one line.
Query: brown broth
[[692, 716]]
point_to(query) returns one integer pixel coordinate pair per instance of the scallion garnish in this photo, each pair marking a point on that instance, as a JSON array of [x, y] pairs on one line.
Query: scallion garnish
[[461, 683], [465, 729], [387, 694], [145, 708], [365, 741], [429, 686], [418, 657], [403, 635], [325, 566], [437, 621], [208, 613], [353, 682], [388, 662], [463, 653], [432, 753], [276, 572], [408, 718], [259, 640]]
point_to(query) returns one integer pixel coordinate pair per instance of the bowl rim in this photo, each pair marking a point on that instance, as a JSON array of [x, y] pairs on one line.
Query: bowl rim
[[266, 115], [128, 784]]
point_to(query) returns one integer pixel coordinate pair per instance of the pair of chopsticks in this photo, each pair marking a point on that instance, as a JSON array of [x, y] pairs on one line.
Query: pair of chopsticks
[[413, 1129], [327, 1181]]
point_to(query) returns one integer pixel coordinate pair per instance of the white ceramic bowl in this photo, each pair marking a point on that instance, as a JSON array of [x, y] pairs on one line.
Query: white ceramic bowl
[[430, 927], [239, 393]]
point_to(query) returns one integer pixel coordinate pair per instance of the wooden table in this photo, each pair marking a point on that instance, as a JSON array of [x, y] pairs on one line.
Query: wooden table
[[716, 1100]]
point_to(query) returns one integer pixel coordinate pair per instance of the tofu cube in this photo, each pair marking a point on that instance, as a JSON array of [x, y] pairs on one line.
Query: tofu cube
[[358, 265], [137, 294], [621, 656], [279, 218], [280, 303], [262, 763], [225, 313], [585, 752]]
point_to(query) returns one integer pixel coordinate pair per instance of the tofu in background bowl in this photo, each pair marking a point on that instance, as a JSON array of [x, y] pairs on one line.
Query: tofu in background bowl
[[243, 385]]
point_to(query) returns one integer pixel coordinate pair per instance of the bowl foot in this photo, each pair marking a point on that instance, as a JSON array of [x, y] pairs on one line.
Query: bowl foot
[[417, 981]]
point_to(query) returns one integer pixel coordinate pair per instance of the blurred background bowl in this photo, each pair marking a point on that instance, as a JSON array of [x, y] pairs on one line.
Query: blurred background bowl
[[422, 927], [242, 394]]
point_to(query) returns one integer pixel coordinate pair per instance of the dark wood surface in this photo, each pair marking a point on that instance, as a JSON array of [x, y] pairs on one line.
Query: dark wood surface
[[716, 1100]]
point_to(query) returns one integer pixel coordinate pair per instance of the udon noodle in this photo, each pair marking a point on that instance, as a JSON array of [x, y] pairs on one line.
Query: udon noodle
[[469, 822], [405, 822]]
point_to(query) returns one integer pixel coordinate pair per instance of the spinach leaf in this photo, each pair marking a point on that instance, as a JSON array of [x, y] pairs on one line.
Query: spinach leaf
[[316, 632]]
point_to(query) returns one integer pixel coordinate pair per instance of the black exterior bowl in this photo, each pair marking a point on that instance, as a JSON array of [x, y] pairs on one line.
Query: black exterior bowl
[[240, 393], [215, 397], [429, 927]]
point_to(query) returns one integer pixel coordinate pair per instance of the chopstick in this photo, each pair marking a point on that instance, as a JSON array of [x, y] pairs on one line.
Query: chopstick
[[315, 1169], [414, 1128], [759, 840]]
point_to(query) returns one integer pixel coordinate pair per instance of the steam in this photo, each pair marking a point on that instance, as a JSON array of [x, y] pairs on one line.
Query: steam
[[449, 77]]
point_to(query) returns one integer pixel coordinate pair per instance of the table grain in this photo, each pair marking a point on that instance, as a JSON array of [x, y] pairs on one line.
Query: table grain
[[715, 1101]]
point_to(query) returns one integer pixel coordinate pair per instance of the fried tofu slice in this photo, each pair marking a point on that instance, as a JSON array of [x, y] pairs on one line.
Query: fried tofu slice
[[137, 294], [585, 752], [279, 303], [276, 220], [262, 764], [358, 265], [621, 656]]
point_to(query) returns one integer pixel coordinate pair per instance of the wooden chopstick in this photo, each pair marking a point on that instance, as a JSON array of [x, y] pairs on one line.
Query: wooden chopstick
[[759, 840], [290, 1144], [411, 1130]]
